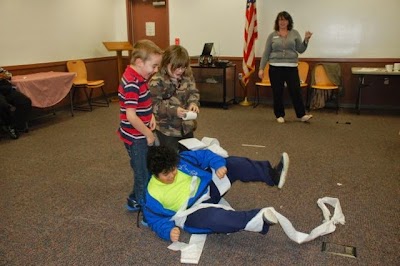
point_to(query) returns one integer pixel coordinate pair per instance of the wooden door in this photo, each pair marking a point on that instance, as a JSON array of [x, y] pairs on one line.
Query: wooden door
[[141, 11]]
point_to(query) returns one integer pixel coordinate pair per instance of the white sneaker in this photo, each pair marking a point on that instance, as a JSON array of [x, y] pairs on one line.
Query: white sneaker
[[305, 118], [280, 120], [269, 216]]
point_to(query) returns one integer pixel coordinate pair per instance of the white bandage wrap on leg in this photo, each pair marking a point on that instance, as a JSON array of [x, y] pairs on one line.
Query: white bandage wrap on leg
[[190, 253]]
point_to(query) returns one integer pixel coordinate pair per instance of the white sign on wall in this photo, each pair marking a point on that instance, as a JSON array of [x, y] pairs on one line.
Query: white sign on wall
[[150, 29]]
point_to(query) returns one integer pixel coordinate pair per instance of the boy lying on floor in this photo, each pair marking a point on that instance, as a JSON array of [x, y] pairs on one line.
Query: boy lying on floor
[[185, 190]]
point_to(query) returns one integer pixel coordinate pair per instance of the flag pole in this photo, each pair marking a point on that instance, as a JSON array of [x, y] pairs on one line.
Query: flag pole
[[245, 102], [250, 36]]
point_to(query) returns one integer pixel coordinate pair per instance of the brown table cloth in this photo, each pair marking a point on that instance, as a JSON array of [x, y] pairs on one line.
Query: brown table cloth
[[45, 89]]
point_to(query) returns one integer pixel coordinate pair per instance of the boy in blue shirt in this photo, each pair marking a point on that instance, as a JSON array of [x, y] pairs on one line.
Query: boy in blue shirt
[[185, 190]]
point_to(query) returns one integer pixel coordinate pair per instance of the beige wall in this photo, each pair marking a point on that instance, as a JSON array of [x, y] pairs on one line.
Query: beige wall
[[342, 28], [43, 31]]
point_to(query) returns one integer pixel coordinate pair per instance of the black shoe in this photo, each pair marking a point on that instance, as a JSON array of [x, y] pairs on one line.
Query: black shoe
[[11, 132], [281, 170], [132, 205]]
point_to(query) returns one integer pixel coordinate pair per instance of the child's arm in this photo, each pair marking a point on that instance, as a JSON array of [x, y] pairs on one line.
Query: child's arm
[[204, 159], [158, 218], [137, 123]]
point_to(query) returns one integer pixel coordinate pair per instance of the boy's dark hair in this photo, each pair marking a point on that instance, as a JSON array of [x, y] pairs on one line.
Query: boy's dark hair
[[161, 159]]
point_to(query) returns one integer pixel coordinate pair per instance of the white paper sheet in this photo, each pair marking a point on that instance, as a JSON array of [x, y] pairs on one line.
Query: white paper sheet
[[193, 144], [211, 144]]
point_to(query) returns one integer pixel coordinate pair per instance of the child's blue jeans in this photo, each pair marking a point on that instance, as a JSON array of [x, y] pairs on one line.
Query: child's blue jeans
[[138, 159]]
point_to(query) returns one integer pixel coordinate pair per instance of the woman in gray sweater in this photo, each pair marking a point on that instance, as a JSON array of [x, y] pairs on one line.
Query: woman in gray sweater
[[281, 52]]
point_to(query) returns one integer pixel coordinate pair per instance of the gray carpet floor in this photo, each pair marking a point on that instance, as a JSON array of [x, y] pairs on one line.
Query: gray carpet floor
[[63, 187]]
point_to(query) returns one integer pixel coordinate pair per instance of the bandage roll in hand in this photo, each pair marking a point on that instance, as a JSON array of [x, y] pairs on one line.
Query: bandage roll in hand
[[190, 116]]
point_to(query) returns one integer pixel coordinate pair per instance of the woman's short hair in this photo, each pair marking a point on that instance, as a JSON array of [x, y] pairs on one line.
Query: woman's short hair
[[284, 15]]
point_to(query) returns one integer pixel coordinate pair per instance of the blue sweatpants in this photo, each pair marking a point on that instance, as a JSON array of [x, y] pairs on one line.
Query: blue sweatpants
[[220, 220]]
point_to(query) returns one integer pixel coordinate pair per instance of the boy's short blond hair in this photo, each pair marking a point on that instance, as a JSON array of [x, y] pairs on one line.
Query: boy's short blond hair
[[143, 49]]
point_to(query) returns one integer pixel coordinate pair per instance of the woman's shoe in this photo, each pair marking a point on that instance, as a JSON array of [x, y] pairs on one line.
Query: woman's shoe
[[305, 118], [280, 120]]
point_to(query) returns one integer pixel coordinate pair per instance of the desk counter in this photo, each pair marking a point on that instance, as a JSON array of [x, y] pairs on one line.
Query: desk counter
[[361, 72], [373, 71], [45, 89]]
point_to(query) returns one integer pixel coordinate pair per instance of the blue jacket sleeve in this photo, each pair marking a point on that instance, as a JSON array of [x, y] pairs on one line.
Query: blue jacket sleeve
[[204, 159], [158, 218]]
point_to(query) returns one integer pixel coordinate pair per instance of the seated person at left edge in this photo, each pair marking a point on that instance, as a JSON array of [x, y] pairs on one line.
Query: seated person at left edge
[[15, 107]]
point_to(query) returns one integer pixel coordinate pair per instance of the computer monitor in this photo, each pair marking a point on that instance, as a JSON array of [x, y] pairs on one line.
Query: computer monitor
[[207, 48]]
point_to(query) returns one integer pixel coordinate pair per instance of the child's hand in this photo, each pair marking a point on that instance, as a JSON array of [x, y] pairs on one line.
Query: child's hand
[[150, 139], [194, 108], [221, 172], [175, 233], [180, 112], [152, 124]]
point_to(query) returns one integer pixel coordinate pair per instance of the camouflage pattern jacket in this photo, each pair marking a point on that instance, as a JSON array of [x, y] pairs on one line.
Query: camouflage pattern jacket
[[167, 96]]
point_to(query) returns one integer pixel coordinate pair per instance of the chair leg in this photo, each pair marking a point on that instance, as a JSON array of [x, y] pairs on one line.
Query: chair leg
[[102, 103], [90, 98], [82, 107], [71, 100], [337, 102], [138, 218], [105, 97], [309, 98], [257, 97]]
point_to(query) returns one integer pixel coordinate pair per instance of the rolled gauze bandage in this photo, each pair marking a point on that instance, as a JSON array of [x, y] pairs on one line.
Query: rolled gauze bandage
[[190, 116]]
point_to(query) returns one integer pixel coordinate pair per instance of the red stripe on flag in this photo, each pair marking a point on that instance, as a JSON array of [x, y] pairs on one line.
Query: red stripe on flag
[[250, 35]]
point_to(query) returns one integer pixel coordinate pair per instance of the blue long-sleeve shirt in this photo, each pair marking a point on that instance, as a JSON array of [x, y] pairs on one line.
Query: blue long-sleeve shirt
[[192, 163]]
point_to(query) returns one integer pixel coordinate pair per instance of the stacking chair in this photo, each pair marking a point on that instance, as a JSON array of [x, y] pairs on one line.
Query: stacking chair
[[81, 82], [265, 82], [303, 68], [323, 83]]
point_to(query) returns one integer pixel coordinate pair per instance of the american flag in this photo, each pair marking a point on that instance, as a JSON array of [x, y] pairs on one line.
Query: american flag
[[250, 36]]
